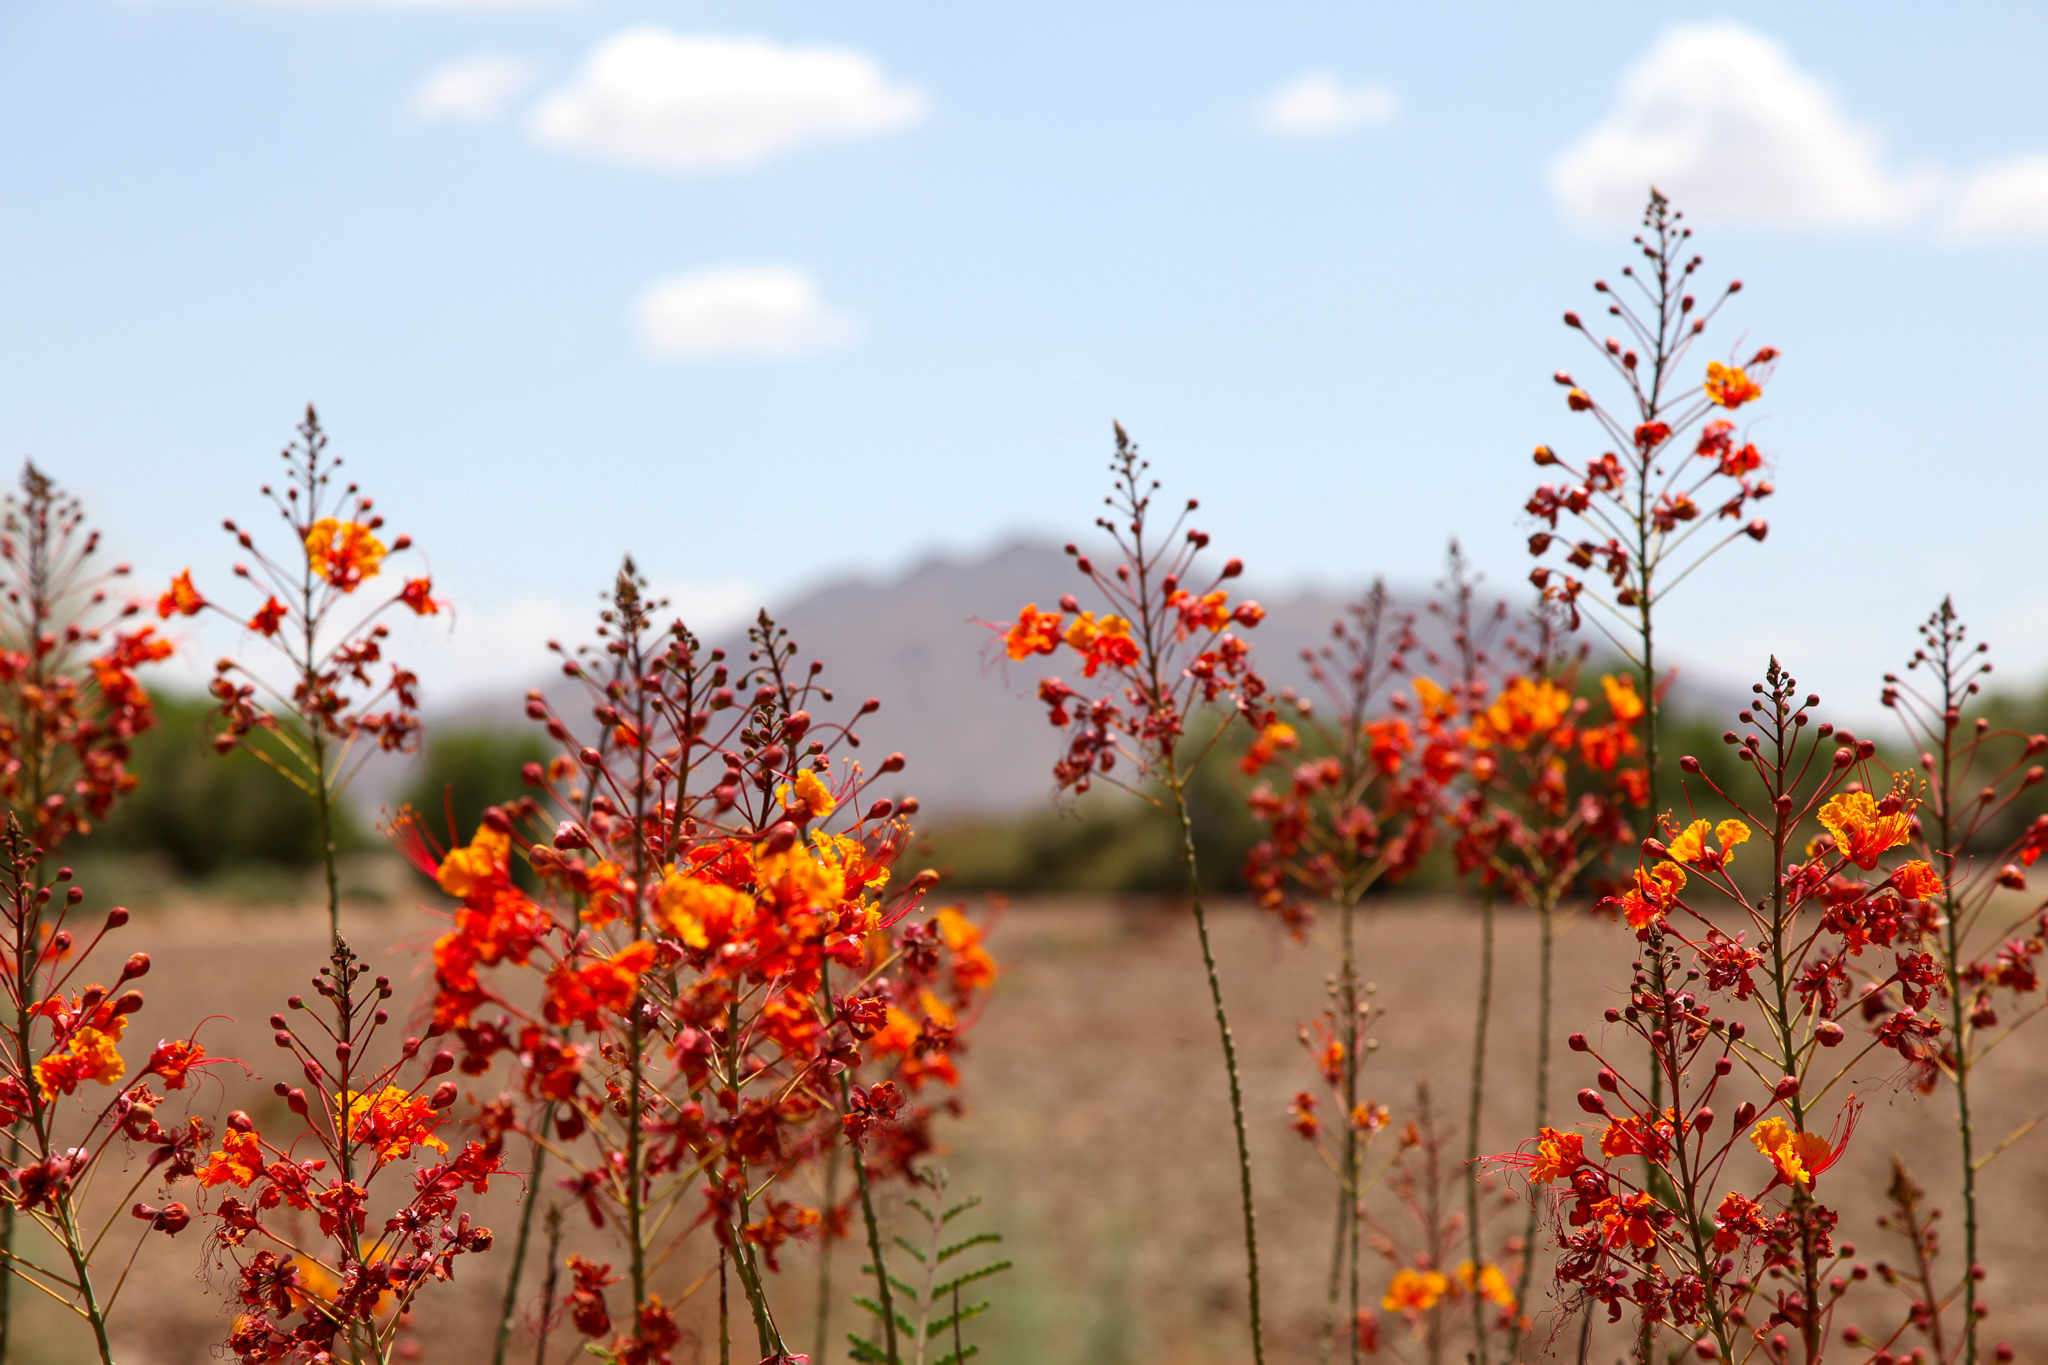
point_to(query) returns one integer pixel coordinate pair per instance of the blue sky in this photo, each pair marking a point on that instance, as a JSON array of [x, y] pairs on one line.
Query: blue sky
[[766, 293]]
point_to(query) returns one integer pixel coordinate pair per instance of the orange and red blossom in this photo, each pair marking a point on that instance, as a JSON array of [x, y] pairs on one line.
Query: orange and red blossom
[[343, 552], [1800, 1156], [1729, 386], [973, 968], [268, 618], [393, 1120], [238, 1162], [1557, 1155], [1036, 632], [1106, 641], [1622, 699], [1275, 736], [1691, 848], [173, 1058], [418, 594], [582, 993], [1525, 711], [1656, 891], [89, 1054], [1862, 828], [182, 599], [1415, 1291], [1917, 881], [1489, 1281]]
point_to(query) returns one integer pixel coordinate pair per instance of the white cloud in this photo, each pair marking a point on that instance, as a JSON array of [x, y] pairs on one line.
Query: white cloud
[[651, 97], [738, 310], [1719, 118], [1319, 105], [2004, 202], [476, 90]]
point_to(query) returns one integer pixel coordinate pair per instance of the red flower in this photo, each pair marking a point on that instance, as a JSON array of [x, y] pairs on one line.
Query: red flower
[[182, 600]]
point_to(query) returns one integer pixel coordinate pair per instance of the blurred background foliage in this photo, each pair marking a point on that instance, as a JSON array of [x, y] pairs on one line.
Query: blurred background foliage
[[232, 824]]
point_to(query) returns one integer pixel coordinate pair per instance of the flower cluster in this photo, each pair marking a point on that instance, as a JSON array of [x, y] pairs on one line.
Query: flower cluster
[[1163, 646], [1722, 1267], [384, 1193], [735, 983], [70, 702], [68, 1103], [340, 704], [1640, 504]]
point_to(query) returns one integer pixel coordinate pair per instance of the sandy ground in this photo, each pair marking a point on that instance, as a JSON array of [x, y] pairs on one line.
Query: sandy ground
[[1097, 1132]]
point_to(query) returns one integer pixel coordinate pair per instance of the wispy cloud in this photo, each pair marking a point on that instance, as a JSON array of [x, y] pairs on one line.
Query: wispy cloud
[[651, 97], [478, 90], [760, 310], [1320, 105], [2002, 203]]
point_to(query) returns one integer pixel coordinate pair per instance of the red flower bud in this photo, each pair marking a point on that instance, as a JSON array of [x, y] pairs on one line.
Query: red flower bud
[[1590, 1101]]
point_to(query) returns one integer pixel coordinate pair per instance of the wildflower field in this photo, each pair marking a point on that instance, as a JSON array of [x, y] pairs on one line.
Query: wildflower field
[[685, 1051]]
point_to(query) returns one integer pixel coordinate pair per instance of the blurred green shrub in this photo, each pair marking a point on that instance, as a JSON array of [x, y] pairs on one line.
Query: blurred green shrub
[[198, 814]]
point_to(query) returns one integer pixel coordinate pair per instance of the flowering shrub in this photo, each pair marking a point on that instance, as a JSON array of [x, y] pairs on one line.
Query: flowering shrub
[[683, 985], [731, 987]]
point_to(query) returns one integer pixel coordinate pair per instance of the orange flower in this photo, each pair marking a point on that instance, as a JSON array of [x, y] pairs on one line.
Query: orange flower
[[1277, 735], [1413, 1291], [1690, 847], [1628, 1219], [266, 621], [1861, 831], [88, 1054], [485, 862], [1490, 1283], [583, 994], [1916, 881], [1036, 632], [700, 912], [602, 886], [172, 1059], [1524, 712], [1604, 745], [1210, 612], [1390, 742], [1556, 1156], [1656, 892], [343, 552], [812, 799], [1799, 1157], [1437, 705], [239, 1161], [418, 594], [1107, 641], [1622, 700], [182, 600], [973, 968], [1729, 387], [394, 1120]]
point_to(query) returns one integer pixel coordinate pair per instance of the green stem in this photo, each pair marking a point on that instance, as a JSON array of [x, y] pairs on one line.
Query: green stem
[[824, 1324], [1474, 1105], [1546, 918], [1177, 785], [509, 1309], [860, 1181]]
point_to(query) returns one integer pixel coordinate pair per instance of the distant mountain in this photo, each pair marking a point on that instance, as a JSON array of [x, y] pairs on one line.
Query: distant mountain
[[965, 717]]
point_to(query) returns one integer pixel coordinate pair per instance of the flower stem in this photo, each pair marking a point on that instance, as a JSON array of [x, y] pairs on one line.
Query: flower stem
[[1176, 784], [1474, 1106], [509, 1309]]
